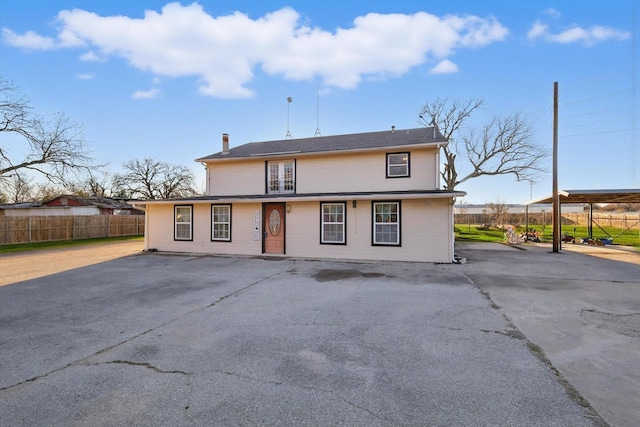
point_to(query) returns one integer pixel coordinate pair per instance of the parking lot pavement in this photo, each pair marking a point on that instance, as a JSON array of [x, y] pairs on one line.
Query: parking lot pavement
[[156, 339], [20, 266], [580, 307]]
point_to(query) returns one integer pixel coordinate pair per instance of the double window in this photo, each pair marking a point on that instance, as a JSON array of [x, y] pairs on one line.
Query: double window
[[183, 222], [281, 177], [398, 165], [386, 223], [221, 223], [333, 223]]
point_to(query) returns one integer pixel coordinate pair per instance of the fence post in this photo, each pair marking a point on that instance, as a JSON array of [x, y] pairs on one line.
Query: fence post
[[29, 229]]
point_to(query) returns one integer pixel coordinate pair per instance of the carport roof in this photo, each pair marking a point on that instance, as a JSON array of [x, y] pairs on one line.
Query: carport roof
[[592, 196]]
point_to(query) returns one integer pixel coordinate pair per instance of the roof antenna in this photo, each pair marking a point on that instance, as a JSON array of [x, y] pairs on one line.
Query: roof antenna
[[289, 101], [318, 112], [433, 123]]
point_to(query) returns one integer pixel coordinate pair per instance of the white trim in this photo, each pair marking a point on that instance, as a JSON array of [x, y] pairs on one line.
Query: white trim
[[343, 223], [176, 222], [374, 223], [213, 223]]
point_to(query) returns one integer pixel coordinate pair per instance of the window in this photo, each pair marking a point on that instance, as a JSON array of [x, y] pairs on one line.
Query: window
[[333, 223], [397, 165], [221, 223], [183, 227], [386, 223], [281, 177]]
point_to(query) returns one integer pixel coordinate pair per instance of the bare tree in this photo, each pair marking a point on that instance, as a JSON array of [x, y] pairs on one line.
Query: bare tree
[[19, 190], [46, 191], [55, 146], [94, 184], [502, 146], [152, 179], [498, 213]]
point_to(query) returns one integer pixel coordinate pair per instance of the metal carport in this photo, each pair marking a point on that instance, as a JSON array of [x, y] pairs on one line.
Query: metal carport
[[591, 197]]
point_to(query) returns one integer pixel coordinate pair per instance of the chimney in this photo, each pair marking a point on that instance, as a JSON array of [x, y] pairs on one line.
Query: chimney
[[225, 143], [393, 129]]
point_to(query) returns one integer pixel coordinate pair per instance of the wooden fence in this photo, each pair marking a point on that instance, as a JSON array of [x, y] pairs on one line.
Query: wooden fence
[[32, 229], [623, 221]]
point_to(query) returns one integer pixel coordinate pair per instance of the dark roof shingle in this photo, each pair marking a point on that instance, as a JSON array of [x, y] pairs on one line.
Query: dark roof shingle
[[334, 143]]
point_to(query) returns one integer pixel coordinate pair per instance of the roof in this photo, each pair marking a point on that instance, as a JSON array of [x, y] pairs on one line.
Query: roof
[[97, 201], [592, 196], [360, 195], [335, 143], [24, 205]]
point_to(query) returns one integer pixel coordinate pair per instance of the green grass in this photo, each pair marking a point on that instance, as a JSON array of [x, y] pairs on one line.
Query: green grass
[[64, 244], [466, 233]]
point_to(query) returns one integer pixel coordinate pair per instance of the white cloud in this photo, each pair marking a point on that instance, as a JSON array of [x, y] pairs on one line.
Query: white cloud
[[87, 76], [28, 40], [576, 34], [538, 29], [223, 52], [145, 94], [444, 67], [91, 56], [552, 12]]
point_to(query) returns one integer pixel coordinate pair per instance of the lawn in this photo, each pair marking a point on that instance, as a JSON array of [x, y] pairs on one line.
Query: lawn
[[466, 233], [64, 244]]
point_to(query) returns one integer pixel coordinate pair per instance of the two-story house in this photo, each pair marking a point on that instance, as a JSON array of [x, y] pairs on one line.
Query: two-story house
[[369, 196]]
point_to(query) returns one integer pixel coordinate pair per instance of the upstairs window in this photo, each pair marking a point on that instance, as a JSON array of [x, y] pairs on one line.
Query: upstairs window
[[397, 165], [281, 177], [183, 222]]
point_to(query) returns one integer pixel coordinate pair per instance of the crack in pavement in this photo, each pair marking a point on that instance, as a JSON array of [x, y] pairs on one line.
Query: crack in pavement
[[154, 368], [309, 388], [132, 363], [514, 332], [85, 360]]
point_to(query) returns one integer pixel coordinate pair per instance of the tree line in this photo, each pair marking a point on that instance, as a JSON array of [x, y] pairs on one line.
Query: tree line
[[56, 152]]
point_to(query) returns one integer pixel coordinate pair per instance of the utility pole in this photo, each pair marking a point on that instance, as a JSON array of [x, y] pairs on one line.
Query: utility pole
[[556, 200]]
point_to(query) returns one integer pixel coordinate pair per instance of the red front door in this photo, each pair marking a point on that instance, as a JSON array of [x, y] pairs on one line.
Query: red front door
[[274, 222]]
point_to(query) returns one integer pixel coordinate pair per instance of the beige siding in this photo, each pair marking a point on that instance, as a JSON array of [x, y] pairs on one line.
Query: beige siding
[[363, 172], [426, 232], [243, 177], [331, 173], [160, 230]]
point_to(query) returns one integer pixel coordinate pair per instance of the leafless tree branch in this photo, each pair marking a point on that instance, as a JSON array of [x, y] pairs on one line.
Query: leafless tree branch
[[502, 146], [55, 146]]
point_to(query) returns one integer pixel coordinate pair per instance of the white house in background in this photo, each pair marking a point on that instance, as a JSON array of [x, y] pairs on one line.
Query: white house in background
[[71, 205], [369, 196]]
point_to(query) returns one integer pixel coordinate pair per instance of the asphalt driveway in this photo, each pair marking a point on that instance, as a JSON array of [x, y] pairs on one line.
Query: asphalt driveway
[[159, 339]]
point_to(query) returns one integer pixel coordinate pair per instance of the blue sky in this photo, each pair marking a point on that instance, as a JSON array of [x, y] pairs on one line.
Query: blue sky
[[165, 80]]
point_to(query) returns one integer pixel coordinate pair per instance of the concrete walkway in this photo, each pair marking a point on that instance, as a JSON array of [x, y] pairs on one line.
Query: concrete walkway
[[580, 307]]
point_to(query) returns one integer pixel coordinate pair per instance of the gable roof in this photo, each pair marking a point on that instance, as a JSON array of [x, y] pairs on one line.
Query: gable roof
[[334, 143]]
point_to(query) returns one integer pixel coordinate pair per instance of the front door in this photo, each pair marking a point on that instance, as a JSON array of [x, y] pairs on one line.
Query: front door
[[274, 228]]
